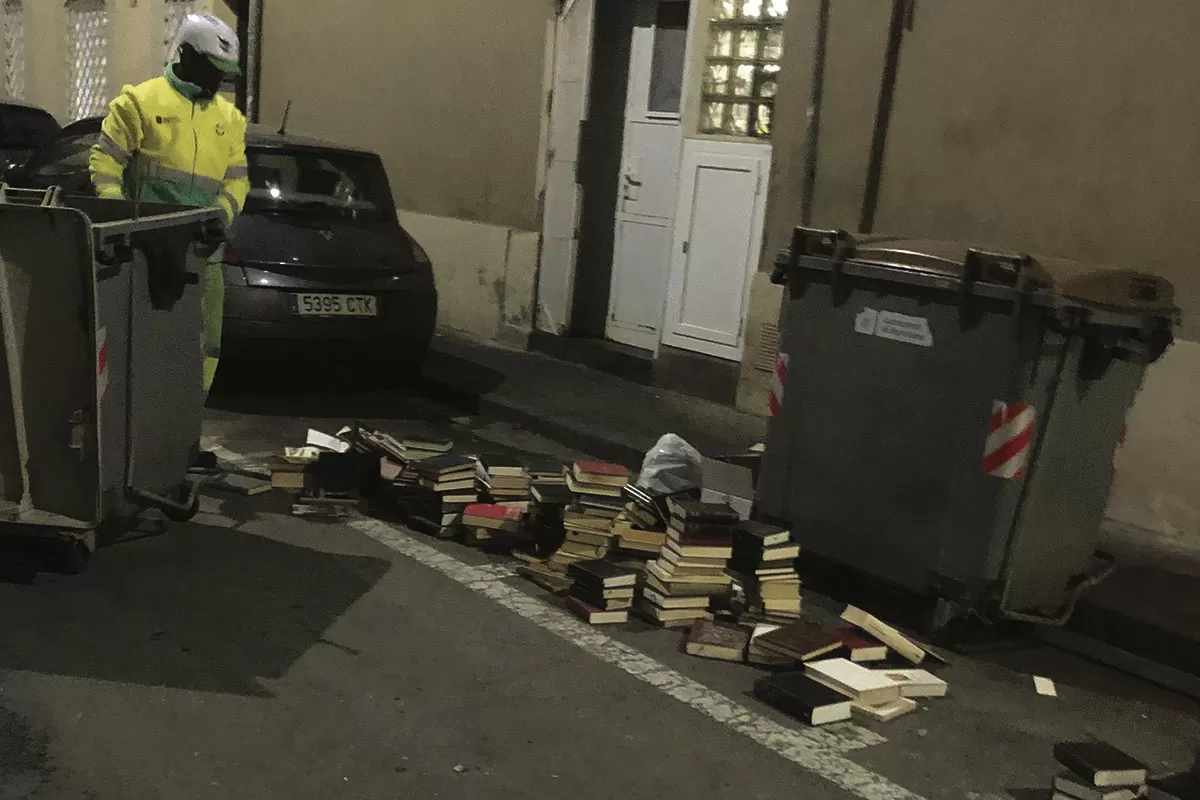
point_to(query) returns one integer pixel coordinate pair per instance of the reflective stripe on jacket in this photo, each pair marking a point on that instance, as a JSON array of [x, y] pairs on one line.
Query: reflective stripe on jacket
[[177, 149]]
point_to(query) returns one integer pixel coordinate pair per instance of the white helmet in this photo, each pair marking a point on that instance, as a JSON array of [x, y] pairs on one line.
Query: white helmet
[[212, 37]]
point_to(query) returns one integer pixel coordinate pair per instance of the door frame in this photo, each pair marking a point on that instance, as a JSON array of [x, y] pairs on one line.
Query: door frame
[[694, 151]]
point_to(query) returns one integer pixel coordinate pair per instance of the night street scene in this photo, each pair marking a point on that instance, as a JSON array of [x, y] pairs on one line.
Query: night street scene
[[599, 399]]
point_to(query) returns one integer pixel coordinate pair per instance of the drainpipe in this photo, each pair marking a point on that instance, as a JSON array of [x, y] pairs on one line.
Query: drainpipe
[[814, 114], [250, 23], [902, 18]]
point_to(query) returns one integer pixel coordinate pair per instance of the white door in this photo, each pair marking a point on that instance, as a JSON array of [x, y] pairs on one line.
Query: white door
[[717, 245], [563, 198], [648, 191]]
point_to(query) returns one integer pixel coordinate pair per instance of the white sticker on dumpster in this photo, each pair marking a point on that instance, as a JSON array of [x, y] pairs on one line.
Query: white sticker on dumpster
[[895, 326]]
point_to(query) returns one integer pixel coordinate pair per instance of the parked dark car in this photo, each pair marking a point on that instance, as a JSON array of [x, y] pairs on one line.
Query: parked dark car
[[24, 129], [318, 257]]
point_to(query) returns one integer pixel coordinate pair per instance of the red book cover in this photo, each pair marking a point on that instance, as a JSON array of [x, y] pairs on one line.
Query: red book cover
[[601, 468], [489, 511]]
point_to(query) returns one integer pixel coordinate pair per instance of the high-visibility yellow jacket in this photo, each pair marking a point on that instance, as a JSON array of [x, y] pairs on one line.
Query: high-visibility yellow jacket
[[159, 137]]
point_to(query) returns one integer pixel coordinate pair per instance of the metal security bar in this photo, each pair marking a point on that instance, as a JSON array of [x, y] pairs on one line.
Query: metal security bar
[[174, 13], [88, 28], [14, 49]]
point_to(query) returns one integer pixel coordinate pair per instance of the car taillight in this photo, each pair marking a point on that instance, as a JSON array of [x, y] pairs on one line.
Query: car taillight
[[419, 254], [231, 256]]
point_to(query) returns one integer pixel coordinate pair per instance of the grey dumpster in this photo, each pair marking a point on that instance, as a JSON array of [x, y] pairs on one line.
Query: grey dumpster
[[949, 415], [101, 395]]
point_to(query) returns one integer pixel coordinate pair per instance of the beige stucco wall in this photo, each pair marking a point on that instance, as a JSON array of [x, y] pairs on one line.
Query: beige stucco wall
[[1044, 127], [451, 95]]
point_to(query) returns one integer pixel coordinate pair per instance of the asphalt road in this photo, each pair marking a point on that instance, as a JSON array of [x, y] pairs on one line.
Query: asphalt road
[[250, 654]]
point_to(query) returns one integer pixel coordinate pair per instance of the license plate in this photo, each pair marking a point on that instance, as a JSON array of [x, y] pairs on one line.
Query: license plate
[[334, 305]]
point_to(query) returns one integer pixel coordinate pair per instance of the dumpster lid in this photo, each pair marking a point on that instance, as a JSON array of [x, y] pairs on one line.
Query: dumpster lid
[[970, 268]]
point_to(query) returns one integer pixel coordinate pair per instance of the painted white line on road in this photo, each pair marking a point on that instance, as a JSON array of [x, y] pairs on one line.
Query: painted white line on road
[[818, 750]]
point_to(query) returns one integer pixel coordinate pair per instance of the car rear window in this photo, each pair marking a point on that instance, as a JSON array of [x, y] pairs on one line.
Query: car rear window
[[25, 128], [322, 185]]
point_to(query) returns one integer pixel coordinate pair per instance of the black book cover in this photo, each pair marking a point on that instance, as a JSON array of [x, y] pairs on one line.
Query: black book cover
[[761, 535], [438, 465], [798, 695], [1100, 763], [595, 598], [692, 511], [551, 494], [601, 573], [492, 461]]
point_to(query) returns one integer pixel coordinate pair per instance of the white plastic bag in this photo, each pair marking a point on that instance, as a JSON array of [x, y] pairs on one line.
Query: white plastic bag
[[671, 455]]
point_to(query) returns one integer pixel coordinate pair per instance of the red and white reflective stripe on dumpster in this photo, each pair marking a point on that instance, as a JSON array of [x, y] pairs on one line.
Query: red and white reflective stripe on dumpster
[[1009, 441], [102, 361], [778, 381]]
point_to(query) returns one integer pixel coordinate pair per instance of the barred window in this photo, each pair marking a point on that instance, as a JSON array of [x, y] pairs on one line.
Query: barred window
[[14, 49], [176, 12], [741, 67], [87, 58]]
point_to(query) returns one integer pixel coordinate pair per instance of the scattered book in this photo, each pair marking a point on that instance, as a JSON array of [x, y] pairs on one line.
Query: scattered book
[[245, 485], [886, 712], [493, 517], [862, 648], [430, 444], [603, 573], [1071, 786], [709, 639], [668, 602], [689, 511], [916, 682], [596, 616], [854, 681], [550, 492], [798, 695], [670, 617], [885, 633], [1100, 764], [600, 473], [766, 658], [800, 641], [762, 535]]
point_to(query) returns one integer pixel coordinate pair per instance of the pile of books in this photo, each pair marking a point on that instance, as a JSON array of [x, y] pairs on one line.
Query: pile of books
[[545, 470], [1099, 771], [545, 519], [764, 557], [588, 521], [502, 479], [692, 566], [602, 592], [448, 485]]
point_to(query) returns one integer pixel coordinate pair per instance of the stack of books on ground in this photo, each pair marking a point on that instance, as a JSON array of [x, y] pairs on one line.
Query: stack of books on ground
[[448, 484], [502, 479], [544, 469], [872, 694], [764, 557], [602, 592], [597, 487], [419, 448], [548, 504], [691, 569], [1099, 771], [893, 639], [493, 524], [551, 577]]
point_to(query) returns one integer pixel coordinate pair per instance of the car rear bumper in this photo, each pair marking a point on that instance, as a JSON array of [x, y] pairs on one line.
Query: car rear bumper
[[260, 316]]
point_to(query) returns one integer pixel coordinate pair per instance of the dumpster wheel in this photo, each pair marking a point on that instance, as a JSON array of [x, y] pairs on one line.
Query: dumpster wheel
[[188, 499], [75, 555]]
